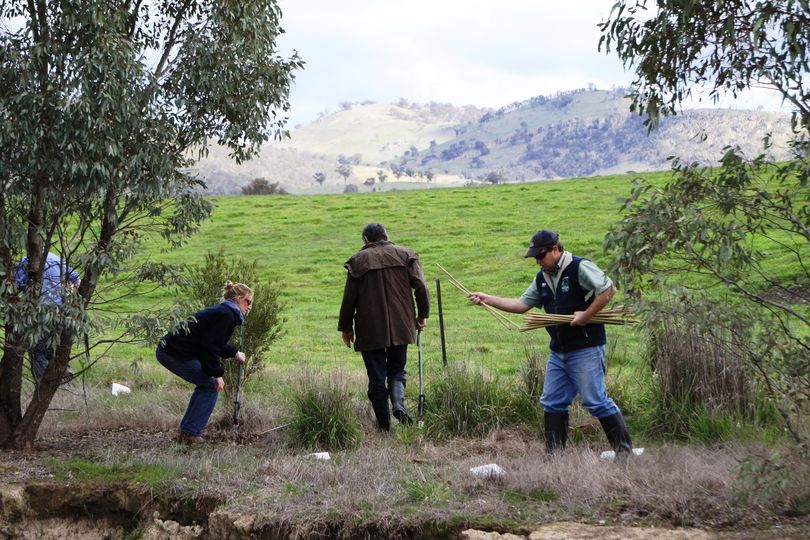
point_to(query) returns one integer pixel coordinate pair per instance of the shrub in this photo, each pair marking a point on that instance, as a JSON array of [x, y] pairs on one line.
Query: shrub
[[323, 416], [265, 323], [260, 186], [778, 479]]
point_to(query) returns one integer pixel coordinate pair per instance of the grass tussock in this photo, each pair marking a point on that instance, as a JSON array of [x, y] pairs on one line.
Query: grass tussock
[[465, 401], [700, 388], [323, 415]]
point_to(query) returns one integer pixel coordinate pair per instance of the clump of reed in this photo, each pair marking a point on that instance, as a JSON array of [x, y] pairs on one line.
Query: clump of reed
[[323, 415], [465, 401], [701, 385]]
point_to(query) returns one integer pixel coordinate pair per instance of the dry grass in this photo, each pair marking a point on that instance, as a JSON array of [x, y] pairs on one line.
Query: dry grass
[[701, 367], [400, 480]]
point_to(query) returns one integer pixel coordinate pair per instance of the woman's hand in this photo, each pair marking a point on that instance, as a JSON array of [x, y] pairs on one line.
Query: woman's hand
[[240, 357], [220, 384]]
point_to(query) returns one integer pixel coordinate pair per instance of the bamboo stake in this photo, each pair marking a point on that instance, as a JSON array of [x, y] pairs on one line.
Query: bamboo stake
[[503, 319], [616, 315]]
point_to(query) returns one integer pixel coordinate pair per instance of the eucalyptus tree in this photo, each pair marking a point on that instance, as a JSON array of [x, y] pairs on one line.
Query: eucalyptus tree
[[104, 105], [344, 170], [319, 177], [730, 223]]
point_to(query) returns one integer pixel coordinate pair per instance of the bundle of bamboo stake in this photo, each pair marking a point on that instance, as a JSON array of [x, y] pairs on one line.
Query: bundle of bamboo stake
[[617, 315]]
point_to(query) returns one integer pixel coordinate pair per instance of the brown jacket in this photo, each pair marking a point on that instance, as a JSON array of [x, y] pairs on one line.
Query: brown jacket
[[378, 298]]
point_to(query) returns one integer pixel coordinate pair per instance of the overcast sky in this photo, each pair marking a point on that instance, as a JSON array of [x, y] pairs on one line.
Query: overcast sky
[[485, 53]]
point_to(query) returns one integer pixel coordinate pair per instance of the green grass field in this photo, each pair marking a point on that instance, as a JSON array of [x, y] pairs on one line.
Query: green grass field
[[479, 234]]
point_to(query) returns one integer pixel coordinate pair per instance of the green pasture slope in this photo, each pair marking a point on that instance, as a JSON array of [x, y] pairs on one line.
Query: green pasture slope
[[479, 234]]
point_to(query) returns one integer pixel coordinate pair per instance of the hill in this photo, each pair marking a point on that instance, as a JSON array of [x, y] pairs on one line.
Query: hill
[[579, 133]]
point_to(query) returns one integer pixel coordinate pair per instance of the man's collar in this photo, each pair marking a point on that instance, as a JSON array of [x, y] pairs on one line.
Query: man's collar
[[565, 260], [375, 243]]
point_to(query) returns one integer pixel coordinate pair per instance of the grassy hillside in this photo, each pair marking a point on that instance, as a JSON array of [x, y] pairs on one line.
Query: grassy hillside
[[365, 134], [479, 234], [572, 134], [586, 133], [379, 132]]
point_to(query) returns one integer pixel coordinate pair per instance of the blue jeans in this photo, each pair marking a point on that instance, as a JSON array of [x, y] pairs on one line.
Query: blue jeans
[[205, 395], [577, 372]]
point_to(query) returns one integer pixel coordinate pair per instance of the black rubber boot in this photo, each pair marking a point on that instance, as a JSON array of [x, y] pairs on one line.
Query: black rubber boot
[[556, 431], [397, 392], [616, 431], [382, 413]]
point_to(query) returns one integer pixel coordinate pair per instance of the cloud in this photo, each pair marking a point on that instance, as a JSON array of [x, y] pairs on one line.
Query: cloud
[[461, 52]]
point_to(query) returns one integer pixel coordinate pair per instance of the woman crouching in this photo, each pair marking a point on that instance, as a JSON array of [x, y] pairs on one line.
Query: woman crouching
[[194, 355]]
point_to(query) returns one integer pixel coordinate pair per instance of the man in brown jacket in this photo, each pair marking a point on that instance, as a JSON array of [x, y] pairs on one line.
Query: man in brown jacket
[[378, 299]]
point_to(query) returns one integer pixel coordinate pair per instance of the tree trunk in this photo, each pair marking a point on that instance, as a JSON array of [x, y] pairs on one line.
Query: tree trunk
[[26, 431], [10, 386], [22, 432]]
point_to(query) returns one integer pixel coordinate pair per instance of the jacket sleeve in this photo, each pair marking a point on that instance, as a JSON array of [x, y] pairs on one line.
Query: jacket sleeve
[[419, 287], [349, 305], [214, 342], [228, 351]]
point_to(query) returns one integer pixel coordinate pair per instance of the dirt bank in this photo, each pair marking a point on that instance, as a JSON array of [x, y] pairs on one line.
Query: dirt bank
[[85, 511], [87, 484]]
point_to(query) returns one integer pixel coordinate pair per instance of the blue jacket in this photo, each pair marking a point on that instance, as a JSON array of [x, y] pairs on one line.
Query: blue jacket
[[206, 340], [53, 274]]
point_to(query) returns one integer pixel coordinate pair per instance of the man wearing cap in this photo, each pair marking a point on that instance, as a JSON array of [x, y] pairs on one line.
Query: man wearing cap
[[377, 314], [569, 285]]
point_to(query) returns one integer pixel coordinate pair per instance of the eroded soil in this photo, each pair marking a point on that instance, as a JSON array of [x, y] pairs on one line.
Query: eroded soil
[[36, 501]]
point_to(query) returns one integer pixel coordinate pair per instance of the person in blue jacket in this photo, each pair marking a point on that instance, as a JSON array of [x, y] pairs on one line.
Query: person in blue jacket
[[194, 355], [569, 285], [57, 279]]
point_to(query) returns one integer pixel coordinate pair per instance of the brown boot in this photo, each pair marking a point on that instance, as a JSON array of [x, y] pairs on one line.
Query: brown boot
[[188, 438]]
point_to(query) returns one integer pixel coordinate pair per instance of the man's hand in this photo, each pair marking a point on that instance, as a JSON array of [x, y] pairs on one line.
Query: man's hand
[[220, 384], [510, 305], [348, 338], [420, 324], [239, 357], [581, 318]]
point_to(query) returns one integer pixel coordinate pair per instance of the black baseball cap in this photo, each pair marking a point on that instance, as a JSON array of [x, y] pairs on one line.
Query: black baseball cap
[[540, 242]]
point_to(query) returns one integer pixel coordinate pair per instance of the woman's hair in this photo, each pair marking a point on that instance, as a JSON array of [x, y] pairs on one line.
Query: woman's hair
[[234, 290]]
